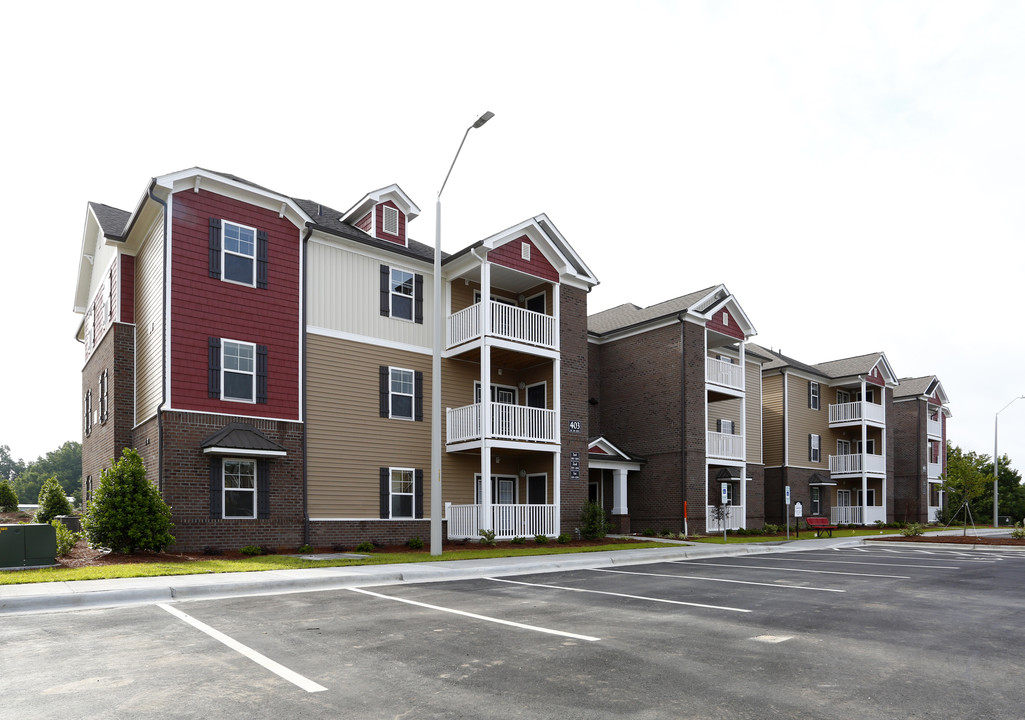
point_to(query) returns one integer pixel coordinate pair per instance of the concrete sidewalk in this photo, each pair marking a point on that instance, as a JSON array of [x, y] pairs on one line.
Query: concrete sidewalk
[[83, 594]]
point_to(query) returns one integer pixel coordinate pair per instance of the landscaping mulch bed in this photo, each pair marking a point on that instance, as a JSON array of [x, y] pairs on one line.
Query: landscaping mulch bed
[[956, 540]]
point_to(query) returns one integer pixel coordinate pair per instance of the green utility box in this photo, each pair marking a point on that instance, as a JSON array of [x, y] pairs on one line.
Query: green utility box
[[30, 545]]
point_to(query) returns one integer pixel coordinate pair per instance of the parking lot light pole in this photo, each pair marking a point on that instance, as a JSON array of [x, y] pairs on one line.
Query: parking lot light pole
[[996, 459], [436, 357]]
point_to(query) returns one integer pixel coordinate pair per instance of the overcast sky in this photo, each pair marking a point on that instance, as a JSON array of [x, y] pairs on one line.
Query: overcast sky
[[851, 171]]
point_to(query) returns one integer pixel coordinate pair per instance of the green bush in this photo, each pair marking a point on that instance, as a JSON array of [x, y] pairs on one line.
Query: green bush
[[487, 537], [8, 497], [648, 532], [126, 512], [1018, 532], [666, 532], [518, 540], [911, 530], [681, 536], [415, 543], [52, 501], [563, 539], [771, 529], [65, 538], [306, 549], [365, 547], [251, 550], [540, 539], [593, 522]]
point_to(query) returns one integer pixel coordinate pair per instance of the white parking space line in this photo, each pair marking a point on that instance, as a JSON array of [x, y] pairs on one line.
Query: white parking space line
[[276, 668], [800, 570], [917, 554], [478, 617], [859, 562], [622, 595], [725, 580]]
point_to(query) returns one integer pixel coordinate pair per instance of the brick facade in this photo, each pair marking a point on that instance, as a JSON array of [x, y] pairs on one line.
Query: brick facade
[[910, 458], [573, 399]]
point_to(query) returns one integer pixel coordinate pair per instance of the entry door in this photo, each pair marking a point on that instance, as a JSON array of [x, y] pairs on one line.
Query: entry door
[[843, 498], [843, 447]]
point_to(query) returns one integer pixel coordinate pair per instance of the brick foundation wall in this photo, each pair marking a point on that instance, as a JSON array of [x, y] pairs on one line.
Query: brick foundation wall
[[348, 534]]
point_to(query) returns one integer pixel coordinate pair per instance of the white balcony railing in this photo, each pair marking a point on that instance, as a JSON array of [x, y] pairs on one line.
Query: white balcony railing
[[508, 422], [507, 520], [724, 446], [852, 464], [855, 411], [934, 428], [935, 470], [735, 518], [507, 321], [727, 374], [846, 515]]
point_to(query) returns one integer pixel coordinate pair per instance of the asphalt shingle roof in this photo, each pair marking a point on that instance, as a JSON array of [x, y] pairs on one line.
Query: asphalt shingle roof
[[628, 314], [910, 387], [239, 436], [112, 220], [860, 365]]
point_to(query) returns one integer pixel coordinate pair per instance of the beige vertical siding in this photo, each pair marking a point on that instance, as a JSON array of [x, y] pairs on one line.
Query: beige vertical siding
[[772, 419], [149, 322], [753, 382]]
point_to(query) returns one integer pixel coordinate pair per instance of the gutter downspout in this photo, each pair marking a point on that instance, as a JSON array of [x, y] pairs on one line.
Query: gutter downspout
[[683, 419], [302, 393], [163, 348]]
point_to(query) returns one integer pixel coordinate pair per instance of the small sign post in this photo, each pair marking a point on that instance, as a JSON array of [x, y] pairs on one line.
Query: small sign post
[[788, 510], [798, 514], [725, 507]]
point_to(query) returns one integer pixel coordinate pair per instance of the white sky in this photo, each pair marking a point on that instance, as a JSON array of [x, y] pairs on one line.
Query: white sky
[[850, 170]]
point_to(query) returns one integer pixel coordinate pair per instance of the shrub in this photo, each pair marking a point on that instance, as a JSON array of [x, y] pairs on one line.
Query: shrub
[[8, 497], [415, 543], [1018, 532], [666, 532], [518, 540], [648, 532], [365, 547], [911, 530], [681, 536], [305, 549], [487, 537], [126, 512], [563, 539], [540, 539], [771, 529], [880, 523], [52, 501], [593, 522], [65, 538], [251, 550]]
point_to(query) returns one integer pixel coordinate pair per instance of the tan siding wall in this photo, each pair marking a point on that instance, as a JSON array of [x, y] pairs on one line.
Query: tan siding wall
[[149, 323], [772, 419], [724, 410], [344, 290], [753, 382], [805, 421]]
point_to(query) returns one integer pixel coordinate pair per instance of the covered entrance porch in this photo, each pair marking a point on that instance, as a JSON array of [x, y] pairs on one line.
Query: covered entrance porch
[[731, 514]]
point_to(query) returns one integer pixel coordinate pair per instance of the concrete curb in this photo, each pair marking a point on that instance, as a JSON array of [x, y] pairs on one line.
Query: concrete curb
[[953, 546]]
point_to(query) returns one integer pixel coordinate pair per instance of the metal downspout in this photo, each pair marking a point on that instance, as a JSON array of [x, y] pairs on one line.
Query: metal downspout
[[302, 393]]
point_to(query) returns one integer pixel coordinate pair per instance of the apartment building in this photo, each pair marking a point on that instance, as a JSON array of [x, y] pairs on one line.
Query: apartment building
[[920, 409]]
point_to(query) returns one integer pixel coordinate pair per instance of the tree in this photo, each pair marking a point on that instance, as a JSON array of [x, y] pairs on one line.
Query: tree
[[1010, 491], [965, 481], [8, 498], [65, 463], [126, 512], [9, 467], [52, 502]]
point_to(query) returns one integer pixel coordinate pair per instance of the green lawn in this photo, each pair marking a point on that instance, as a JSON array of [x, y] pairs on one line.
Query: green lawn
[[286, 562]]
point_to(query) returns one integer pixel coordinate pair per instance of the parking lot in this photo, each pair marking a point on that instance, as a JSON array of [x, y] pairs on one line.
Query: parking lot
[[857, 632]]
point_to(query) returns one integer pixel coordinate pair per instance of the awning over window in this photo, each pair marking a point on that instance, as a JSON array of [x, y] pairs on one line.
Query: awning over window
[[241, 439], [817, 480]]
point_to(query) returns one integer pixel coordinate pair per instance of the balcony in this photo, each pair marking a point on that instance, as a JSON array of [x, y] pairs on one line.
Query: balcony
[[852, 514], [724, 374], [724, 446], [508, 422], [852, 464], [935, 429], [853, 412], [935, 470], [507, 520], [507, 321], [735, 519]]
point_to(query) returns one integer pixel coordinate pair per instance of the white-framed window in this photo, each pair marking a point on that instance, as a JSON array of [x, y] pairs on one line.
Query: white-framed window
[[400, 393], [842, 396], [871, 497], [726, 427], [816, 501], [239, 488], [402, 493], [813, 395], [238, 371], [103, 396], [870, 446], [401, 294], [503, 490], [814, 448], [870, 395], [238, 253], [843, 447], [390, 220]]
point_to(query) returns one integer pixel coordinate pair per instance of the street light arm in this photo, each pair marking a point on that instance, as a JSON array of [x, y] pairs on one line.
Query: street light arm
[[480, 121]]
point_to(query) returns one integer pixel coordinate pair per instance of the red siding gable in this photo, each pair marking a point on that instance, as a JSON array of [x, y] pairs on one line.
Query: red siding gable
[[510, 255], [597, 451], [722, 321], [204, 307], [365, 223], [379, 220], [875, 377], [127, 289]]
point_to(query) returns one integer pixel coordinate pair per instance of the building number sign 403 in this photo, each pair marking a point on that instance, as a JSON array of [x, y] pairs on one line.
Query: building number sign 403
[[574, 426]]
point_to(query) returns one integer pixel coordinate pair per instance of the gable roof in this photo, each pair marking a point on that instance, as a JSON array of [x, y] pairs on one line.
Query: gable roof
[[242, 439], [628, 314], [925, 386], [832, 369], [112, 221]]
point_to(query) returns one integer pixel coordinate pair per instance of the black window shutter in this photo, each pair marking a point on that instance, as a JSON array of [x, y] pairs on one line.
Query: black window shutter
[[261, 373], [215, 488], [418, 490], [384, 391], [261, 259], [418, 395], [718, 425], [263, 489], [809, 448], [215, 248], [214, 376], [385, 290], [418, 297], [385, 493]]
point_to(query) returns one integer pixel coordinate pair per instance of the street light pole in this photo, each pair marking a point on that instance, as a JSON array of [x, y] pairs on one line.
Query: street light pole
[[996, 459], [436, 358]]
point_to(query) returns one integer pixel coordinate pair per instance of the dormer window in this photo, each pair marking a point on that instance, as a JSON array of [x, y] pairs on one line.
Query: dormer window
[[390, 221]]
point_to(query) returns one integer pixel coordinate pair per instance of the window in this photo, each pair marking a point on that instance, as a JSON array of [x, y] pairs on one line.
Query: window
[[239, 363], [816, 501], [842, 396], [89, 331], [239, 249], [390, 223], [103, 396], [88, 412], [814, 448], [401, 394], [402, 294], [239, 490], [870, 446], [726, 427], [402, 493], [813, 395], [843, 447]]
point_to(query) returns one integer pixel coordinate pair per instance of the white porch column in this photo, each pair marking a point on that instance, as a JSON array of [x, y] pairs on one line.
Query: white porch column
[[555, 314], [557, 489], [864, 456], [485, 488], [886, 467], [619, 492]]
